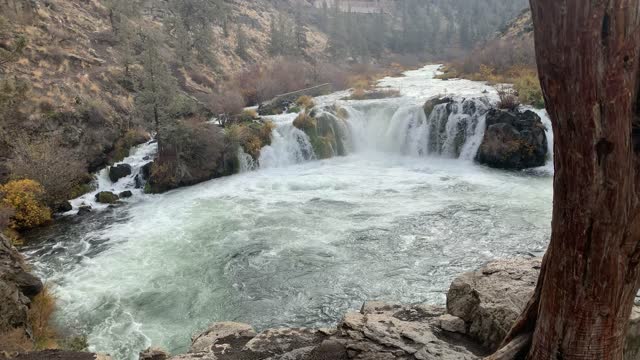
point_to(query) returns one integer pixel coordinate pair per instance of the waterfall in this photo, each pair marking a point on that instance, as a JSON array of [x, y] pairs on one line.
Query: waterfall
[[452, 130], [138, 157], [289, 145]]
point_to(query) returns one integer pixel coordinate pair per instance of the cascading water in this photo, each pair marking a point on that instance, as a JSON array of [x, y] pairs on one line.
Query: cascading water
[[138, 157], [452, 130], [297, 243], [289, 146]]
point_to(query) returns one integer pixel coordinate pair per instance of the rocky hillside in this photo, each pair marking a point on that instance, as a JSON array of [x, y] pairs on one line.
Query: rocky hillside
[[72, 66]]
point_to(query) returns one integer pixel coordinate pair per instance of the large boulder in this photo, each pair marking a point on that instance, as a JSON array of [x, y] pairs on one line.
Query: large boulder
[[106, 197], [17, 287], [117, 172], [490, 299], [513, 140]]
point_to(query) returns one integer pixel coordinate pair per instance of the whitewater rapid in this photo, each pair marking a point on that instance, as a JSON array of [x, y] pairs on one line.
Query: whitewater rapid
[[295, 241]]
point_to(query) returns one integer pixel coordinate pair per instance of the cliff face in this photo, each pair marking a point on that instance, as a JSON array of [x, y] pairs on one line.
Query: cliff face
[[17, 288]]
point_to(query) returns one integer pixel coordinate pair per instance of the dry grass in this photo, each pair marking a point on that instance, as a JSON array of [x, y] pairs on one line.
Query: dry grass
[[305, 102], [40, 313], [508, 98], [15, 341]]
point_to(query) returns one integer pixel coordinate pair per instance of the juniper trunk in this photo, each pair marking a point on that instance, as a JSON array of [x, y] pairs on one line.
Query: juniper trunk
[[588, 55]]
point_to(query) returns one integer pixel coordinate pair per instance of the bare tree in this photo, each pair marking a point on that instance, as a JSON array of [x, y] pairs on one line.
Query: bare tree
[[589, 63]]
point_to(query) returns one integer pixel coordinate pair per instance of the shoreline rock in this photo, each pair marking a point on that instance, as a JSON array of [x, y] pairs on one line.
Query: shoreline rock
[[481, 307], [17, 288]]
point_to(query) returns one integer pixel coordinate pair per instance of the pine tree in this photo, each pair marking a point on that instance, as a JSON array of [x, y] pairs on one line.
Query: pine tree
[[241, 46], [159, 87]]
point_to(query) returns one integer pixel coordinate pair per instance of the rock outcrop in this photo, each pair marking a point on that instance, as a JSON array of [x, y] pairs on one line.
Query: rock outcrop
[[117, 172], [490, 299], [106, 197], [481, 307], [17, 288], [513, 140], [377, 331]]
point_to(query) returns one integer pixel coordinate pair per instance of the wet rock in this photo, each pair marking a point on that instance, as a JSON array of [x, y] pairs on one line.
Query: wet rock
[[84, 210], [432, 103], [513, 140], [125, 194], [119, 171], [63, 207], [29, 285], [106, 197], [145, 171], [153, 354], [224, 335]]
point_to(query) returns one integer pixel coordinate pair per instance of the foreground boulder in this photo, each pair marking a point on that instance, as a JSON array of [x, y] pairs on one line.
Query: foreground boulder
[[513, 140], [490, 299], [17, 288], [119, 171]]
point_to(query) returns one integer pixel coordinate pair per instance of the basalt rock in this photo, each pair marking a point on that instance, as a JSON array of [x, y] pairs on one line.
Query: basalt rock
[[125, 194], [119, 171], [84, 210], [490, 299], [513, 140], [106, 197], [17, 288]]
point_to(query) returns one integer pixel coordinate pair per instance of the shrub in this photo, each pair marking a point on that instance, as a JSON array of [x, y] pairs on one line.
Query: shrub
[[40, 312], [305, 102], [332, 74], [228, 101], [188, 152], [529, 91], [508, 99], [305, 122], [25, 197], [57, 168]]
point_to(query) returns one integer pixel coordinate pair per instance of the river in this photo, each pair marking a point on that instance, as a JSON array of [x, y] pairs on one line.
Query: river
[[296, 242]]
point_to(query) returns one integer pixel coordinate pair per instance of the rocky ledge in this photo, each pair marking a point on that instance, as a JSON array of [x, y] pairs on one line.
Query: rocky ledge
[[17, 288], [481, 306]]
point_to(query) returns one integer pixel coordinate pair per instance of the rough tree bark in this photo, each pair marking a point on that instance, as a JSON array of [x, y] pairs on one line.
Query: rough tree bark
[[588, 55]]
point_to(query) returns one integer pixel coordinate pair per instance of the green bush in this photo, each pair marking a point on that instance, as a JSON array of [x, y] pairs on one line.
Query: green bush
[[529, 91]]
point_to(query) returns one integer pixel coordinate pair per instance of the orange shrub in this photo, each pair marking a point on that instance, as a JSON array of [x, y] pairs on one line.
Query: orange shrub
[[25, 198]]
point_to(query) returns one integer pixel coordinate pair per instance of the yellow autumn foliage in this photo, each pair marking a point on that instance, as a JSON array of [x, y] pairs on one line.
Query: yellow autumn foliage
[[25, 198]]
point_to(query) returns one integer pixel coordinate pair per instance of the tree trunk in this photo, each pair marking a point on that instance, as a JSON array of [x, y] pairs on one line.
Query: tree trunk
[[588, 55]]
